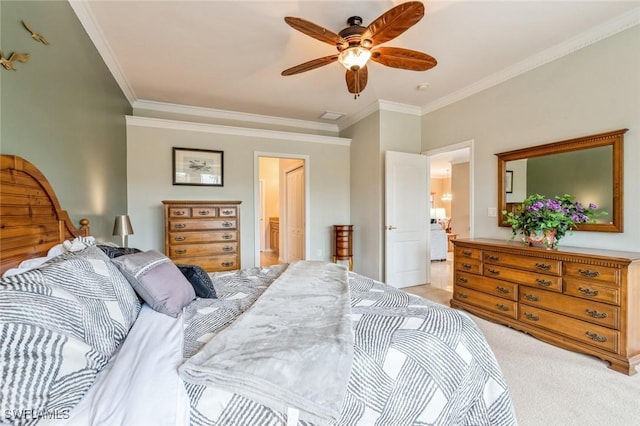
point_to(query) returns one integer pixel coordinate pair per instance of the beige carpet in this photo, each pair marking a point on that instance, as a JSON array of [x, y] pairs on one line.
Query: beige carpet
[[553, 386]]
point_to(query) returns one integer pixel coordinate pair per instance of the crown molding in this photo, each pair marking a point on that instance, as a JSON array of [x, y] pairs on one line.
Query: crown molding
[[379, 105], [594, 35], [88, 21], [234, 115], [398, 107], [161, 123]]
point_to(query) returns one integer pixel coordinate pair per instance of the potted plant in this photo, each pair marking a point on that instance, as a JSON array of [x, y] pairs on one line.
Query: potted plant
[[545, 221]]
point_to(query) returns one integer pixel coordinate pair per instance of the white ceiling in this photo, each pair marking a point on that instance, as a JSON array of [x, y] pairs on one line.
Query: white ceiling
[[228, 55]]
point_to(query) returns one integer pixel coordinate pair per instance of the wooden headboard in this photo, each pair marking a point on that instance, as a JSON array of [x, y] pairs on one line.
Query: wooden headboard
[[31, 220]]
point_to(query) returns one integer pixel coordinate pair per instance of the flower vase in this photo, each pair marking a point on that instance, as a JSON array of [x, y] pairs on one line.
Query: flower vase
[[543, 238]]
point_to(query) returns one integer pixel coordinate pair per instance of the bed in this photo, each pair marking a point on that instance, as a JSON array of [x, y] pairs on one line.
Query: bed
[[98, 335]]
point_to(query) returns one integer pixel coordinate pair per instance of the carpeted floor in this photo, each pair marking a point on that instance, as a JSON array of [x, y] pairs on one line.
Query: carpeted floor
[[553, 386]]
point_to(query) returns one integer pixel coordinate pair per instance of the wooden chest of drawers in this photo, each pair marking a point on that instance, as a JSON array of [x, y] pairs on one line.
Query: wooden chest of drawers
[[204, 233], [580, 299]]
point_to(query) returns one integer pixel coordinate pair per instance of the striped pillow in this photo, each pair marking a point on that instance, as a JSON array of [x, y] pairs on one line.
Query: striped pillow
[[59, 326]]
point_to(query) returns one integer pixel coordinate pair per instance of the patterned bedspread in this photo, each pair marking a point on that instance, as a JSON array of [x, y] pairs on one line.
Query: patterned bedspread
[[415, 362]]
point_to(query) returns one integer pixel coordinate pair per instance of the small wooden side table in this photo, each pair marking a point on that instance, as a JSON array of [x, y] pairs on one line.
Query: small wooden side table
[[343, 244], [451, 237]]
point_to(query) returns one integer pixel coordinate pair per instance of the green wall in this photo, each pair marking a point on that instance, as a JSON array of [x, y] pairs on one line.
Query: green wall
[[63, 111], [585, 174]]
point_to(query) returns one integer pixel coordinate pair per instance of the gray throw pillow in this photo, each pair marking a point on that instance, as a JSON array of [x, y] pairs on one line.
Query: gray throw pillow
[[157, 280]]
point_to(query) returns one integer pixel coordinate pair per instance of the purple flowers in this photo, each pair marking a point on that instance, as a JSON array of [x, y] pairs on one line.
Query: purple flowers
[[561, 214]]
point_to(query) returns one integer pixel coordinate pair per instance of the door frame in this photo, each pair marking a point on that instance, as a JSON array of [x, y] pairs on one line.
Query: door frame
[[256, 198], [466, 144]]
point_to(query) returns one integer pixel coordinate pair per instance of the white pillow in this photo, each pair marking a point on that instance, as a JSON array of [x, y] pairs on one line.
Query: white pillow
[[56, 250], [33, 263]]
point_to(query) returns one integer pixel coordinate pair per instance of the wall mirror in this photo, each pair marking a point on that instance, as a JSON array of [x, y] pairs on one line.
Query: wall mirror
[[589, 168]]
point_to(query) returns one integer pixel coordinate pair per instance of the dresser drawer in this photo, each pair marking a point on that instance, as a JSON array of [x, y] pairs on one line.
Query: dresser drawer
[[204, 211], [228, 211], [495, 304], [595, 312], [473, 266], [179, 212], [468, 253], [201, 237], [592, 290], [583, 331], [590, 272], [195, 224], [550, 282], [184, 250], [551, 267], [211, 263], [487, 285]]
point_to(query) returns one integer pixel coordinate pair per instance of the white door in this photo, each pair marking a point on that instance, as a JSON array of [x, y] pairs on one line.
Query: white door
[[406, 219], [295, 214]]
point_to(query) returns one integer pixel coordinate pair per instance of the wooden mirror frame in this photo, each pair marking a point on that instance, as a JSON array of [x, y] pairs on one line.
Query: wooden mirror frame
[[615, 139]]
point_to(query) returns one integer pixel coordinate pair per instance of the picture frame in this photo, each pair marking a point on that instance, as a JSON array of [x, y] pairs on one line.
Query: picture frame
[[198, 167], [508, 181]]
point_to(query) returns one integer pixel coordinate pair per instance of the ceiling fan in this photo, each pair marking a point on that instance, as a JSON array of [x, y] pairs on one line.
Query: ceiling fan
[[357, 44]]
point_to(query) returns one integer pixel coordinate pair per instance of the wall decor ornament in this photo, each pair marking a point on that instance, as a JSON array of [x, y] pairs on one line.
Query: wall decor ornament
[[197, 167], [7, 63], [37, 37]]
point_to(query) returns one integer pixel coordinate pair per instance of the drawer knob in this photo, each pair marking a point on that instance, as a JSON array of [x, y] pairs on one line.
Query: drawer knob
[[227, 264], [179, 213], [181, 251], [588, 274], [463, 280], [493, 271], [595, 314], [493, 258], [531, 297], [466, 266], [542, 282], [180, 225], [588, 291], [227, 248], [227, 224], [203, 212], [543, 266], [227, 212], [227, 236], [467, 252], [180, 238], [595, 337], [502, 289], [502, 307], [462, 295], [531, 317]]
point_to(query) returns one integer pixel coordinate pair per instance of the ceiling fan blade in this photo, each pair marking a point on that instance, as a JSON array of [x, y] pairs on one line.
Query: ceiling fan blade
[[394, 22], [406, 59], [357, 80], [310, 65], [315, 31]]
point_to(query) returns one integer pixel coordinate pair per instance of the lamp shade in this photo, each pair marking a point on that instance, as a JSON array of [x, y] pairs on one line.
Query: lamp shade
[[122, 226], [438, 213]]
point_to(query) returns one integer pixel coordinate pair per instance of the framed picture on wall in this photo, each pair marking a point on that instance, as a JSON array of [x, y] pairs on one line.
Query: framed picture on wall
[[508, 181], [197, 167]]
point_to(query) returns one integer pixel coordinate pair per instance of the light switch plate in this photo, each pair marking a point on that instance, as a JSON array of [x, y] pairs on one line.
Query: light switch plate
[[492, 212]]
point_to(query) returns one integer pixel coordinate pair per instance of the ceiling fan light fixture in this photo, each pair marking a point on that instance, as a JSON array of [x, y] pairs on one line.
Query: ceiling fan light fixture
[[354, 58]]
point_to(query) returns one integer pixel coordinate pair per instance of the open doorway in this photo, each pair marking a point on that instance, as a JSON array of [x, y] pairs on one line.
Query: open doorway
[[281, 230], [450, 196]]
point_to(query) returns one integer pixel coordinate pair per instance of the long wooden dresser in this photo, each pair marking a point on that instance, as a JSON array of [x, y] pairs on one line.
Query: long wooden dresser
[[204, 233], [585, 300]]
